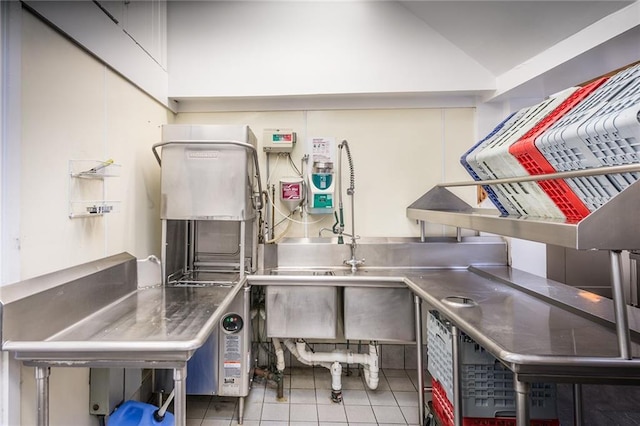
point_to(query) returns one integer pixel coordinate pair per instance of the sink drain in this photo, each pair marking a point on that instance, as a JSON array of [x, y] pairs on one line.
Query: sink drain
[[459, 301]]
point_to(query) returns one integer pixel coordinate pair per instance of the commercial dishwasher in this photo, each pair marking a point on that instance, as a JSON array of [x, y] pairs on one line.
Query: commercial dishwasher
[[210, 199]]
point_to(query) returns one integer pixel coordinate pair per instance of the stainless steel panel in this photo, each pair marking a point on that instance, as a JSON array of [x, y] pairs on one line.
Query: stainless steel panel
[[211, 371], [202, 368], [208, 181], [302, 311], [383, 314], [39, 307], [174, 247], [585, 269], [393, 252]]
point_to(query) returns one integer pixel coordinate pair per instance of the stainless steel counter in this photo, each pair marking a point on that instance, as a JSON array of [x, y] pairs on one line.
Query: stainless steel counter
[[93, 315], [157, 323], [540, 329], [536, 337]]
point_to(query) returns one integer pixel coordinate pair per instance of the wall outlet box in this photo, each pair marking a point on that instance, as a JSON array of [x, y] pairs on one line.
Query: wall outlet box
[[278, 140]]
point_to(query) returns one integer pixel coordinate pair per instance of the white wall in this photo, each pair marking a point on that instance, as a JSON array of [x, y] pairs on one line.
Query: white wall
[[74, 107], [135, 46], [398, 155], [229, 49]]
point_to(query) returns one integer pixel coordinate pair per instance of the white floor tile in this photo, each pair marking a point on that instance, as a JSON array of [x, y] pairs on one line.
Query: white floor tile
[[302, 382], [400, 384], [332, 413], [196, 413], [355, 397], [382, 383], [352, 382], [323, 382], [271, 396], [252, 411], [216, 422], [273, 423], [278, 412], [323, 397], [307, 402], [394, 372], [302, 396], [220, 409], [382, 398], [246, 423], [406, 399], [410, 415], [388, 414], [303, 413], [360, 414], [256, 394]]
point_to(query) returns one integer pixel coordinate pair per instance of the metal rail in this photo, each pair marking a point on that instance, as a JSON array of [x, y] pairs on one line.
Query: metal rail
[[627, 168]]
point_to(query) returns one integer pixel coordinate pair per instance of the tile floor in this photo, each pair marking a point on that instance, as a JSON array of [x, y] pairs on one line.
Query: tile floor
[[307, 402]]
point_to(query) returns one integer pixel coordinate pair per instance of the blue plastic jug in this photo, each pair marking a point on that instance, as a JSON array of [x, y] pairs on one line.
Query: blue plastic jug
[[134, 413]]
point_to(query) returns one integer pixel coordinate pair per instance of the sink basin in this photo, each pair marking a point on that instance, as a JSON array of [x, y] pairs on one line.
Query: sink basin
[[364, 309]]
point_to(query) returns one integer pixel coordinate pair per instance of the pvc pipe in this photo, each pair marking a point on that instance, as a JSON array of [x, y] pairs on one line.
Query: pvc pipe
[[336, 376], [279, 354], [372, 369], [292, 348], [370, 360]]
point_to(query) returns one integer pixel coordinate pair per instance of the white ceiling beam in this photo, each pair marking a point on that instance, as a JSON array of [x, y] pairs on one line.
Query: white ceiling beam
[[565, 56]]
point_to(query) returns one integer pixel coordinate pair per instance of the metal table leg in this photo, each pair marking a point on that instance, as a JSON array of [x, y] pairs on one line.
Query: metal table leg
[[42, 388], [418, 302], [523, 390], [577, 404], [619, 305], [241, 410], [457, 388], [180, 395]]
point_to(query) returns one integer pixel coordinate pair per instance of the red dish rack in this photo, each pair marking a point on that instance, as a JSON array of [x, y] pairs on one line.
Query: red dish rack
[[525, 151], [444, 411]]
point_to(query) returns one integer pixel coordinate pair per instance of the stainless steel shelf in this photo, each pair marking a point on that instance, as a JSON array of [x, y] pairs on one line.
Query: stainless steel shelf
[[614, 226]]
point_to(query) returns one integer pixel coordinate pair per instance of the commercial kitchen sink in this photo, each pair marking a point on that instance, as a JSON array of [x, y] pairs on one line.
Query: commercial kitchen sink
[[338, 304]]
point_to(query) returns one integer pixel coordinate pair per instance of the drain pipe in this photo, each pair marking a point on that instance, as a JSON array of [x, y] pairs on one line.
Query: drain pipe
[[370, 360], [279, 354]]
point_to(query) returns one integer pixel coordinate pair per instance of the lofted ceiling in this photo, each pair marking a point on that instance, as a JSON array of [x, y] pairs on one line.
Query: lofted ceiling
[[485, 30]]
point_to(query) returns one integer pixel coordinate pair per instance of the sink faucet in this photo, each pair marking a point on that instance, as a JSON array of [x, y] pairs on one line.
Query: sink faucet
[[353, 261]]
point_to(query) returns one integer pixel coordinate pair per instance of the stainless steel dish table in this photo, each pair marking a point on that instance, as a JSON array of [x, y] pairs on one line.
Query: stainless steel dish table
[[156, 327], [539, 329]]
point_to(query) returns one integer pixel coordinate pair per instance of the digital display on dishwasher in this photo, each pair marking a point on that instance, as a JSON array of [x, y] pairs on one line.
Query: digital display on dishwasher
[[232, 323]]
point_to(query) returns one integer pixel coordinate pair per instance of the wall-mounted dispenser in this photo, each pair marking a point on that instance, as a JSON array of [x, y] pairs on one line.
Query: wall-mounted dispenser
[[291, 192], [321, 175]]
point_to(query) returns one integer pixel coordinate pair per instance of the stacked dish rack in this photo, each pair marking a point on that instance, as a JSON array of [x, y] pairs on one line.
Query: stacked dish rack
[[488, 395], [579, 128]]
